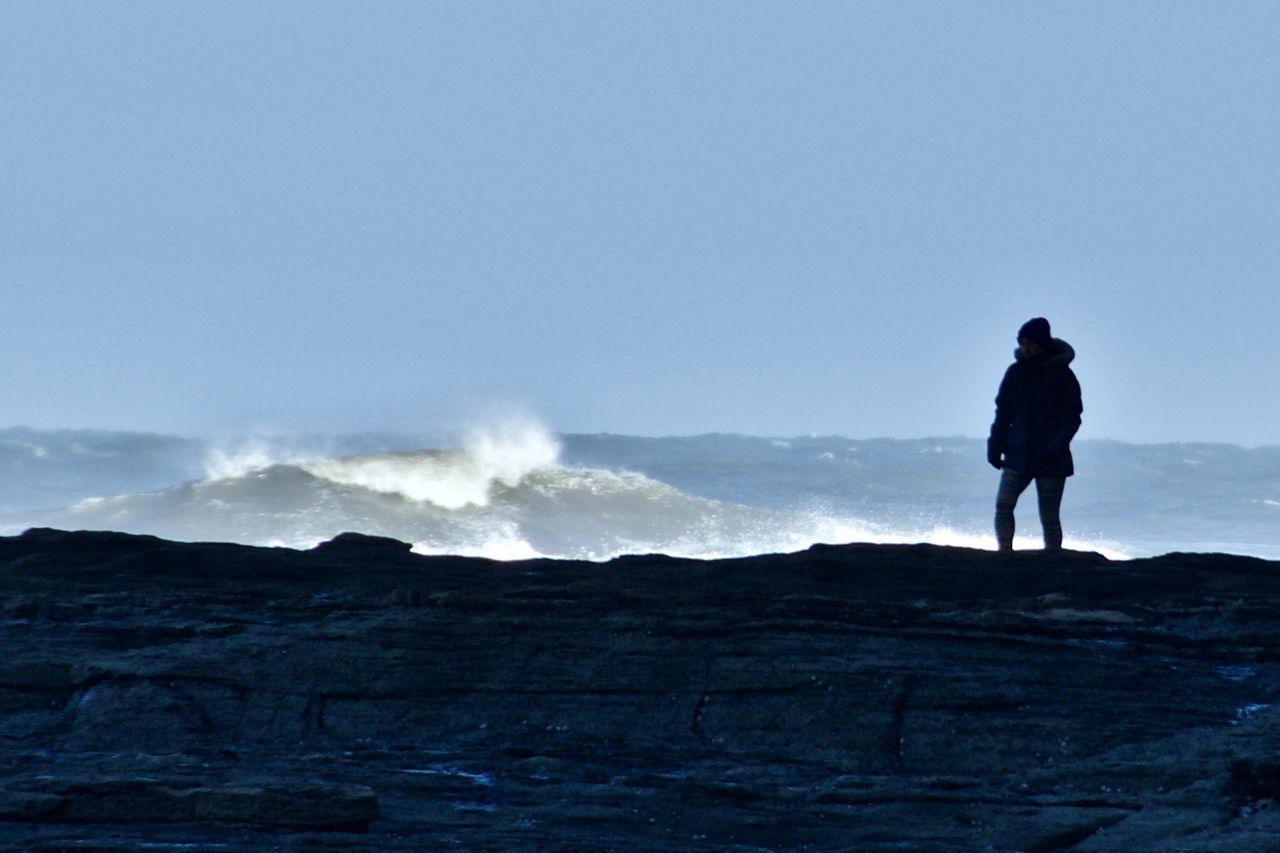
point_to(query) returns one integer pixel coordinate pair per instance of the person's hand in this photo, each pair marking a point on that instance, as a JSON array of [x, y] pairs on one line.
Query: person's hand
[[993, 456]]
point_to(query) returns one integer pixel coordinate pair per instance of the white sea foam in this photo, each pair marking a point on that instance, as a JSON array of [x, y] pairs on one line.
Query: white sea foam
[[498, 548], [496, 454], [817, 528]]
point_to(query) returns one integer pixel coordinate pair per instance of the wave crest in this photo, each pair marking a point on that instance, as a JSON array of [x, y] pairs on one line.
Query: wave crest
[[497, 454], [231, 459]]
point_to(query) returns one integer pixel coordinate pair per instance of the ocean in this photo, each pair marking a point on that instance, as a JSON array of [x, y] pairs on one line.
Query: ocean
[[517, 490]]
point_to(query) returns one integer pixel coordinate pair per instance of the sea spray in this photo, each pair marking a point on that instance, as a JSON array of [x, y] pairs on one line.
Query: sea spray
[[230, 459], [497, 454]]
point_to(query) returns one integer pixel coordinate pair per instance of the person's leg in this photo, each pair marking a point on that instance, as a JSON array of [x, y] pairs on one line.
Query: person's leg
[[1012, 484], [1049, 493]]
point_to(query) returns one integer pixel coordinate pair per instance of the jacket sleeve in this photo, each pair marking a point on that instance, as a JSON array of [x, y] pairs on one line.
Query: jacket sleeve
[[1072, 409], [1004, 416]]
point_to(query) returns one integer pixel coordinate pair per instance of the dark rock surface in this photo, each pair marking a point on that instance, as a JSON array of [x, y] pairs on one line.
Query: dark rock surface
[[180, 696]]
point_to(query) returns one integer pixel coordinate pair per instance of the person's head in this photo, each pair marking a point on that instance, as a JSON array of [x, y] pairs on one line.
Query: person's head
[[1034, 337]]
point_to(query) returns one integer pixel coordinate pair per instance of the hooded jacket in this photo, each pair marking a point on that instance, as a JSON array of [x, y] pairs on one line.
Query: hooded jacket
[[1038, 410]]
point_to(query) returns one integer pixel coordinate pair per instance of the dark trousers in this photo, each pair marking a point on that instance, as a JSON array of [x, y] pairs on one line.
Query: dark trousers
[[1049, 495]]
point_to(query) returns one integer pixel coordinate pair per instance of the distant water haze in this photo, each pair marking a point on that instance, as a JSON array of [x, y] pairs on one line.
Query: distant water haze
[[516, 490]]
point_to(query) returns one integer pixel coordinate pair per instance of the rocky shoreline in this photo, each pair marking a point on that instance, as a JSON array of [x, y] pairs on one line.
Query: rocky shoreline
[[212, 696]]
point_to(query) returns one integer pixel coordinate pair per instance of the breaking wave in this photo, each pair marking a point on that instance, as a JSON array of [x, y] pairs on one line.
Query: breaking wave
[[469, 509], [450, 480]]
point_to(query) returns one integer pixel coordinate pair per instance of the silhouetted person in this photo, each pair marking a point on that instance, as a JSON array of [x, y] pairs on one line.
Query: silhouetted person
[[1038, 411]]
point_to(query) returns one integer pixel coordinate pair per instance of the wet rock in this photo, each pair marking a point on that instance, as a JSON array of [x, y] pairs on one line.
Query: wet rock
[[159, 801], [847, 696]]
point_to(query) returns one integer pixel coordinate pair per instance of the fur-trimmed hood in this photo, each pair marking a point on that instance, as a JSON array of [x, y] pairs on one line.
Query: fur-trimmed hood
[[1061, 355]]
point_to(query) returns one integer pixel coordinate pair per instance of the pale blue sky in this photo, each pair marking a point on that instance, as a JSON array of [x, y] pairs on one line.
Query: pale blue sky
[[641, 217]]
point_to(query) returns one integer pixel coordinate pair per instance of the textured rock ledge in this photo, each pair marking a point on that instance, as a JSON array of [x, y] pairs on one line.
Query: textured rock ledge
[[855, 697]]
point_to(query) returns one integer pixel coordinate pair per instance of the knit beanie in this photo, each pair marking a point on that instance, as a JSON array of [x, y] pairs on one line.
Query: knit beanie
[[1036, 329]]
